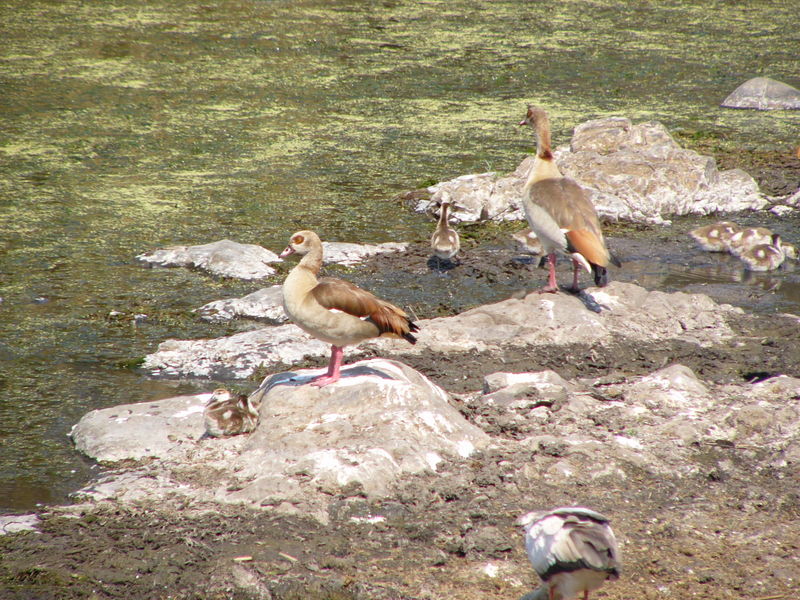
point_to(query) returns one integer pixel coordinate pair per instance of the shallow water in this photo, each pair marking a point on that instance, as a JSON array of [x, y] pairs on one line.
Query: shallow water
[[126, 126]]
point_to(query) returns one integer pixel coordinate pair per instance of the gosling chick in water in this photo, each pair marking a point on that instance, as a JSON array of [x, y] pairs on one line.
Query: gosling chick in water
[[573, 550], [528, 240], [445, 241], [226, 414], [747, 238], [715, 237], [764, 257]]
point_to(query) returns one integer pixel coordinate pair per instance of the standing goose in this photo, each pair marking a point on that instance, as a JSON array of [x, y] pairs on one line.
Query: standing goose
[[336, 311], [715, 237], [445, 241], [573, 549], [560, 213]]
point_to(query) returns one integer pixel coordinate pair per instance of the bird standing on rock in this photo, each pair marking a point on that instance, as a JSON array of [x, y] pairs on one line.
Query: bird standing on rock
[[336, 311], [560, 213], [573, 549]]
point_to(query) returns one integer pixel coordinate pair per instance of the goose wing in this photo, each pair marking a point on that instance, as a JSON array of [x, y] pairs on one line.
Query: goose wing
[[339, 295], [566, 540]]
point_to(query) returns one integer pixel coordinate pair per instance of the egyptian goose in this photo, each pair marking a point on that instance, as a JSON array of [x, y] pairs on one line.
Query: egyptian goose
[[336, 311], [747, 238], [226, 414], [715, 237], [560, 213], [573, 549], [765, 257], [445, 241]]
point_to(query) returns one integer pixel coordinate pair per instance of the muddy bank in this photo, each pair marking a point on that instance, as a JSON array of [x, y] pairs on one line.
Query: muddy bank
[[730, 529]]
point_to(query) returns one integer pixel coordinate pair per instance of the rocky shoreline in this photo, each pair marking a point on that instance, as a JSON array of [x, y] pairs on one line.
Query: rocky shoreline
[[673, 414]]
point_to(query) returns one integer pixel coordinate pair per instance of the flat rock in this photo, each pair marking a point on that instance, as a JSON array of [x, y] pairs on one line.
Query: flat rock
[[236, 356], [136, 431], [348, 254], [763, 93], [265, 304], [630, 311], [633, 172], [224, 258], [382, 420], [18, 523]]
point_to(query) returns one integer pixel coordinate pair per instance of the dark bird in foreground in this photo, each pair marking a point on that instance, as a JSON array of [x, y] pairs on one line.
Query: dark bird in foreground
[[336, 311], [573, 549], [561, 214]]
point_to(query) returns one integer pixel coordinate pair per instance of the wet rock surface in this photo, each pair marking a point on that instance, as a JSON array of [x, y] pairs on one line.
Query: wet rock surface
[[624, 311], [226, 258]]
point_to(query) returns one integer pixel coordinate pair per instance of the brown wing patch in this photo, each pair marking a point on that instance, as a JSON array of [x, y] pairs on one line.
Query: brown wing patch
[[589, 245], [336, 294]]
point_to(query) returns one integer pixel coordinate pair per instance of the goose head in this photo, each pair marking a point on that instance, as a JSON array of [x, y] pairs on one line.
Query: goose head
[[301, 243]]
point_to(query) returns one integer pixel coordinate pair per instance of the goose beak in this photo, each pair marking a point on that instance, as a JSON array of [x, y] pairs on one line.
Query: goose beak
[[288, 251]]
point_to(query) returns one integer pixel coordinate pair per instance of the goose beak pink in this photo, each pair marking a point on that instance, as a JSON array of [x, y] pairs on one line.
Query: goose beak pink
[[287, 252]]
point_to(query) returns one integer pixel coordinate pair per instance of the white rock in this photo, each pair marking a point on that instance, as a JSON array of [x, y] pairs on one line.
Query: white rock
[[17, 523], [224, 258], [135, 431], [763, 93], [265, 304], [345, 253], [382, 420], [235, 356]]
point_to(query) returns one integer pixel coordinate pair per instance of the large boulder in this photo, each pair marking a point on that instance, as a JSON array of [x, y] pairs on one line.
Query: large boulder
[[628, 311], [763, 93], [381, 421], [633, 172]]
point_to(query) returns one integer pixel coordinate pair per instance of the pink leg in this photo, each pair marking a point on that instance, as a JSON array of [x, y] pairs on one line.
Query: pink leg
[[333, 368], [576, 266], [552, 286]]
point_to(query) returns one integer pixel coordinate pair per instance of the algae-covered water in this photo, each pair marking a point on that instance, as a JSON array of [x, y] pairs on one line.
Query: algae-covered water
[[126, 126]]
